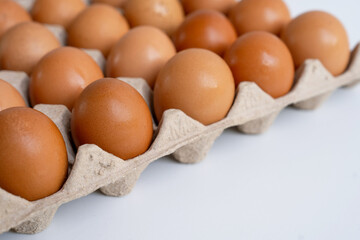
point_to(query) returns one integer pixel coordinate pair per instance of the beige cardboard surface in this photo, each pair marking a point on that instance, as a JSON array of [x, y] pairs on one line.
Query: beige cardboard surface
[[253, 112]]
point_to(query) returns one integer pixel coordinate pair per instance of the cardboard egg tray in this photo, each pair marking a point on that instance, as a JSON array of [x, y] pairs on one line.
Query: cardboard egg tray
[[188, 141]]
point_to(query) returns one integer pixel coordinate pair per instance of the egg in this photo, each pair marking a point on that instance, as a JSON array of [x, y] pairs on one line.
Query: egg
[[24, 45], [318, 35], [114, 3], [11, 14], [263, 58], [141, 52], [260, 15], [9, 96], [207, 29], [164, 14], [99, 26], [33, 158], [61, 75], [197, 82], [57, 12], [218, 5], [114, 116]]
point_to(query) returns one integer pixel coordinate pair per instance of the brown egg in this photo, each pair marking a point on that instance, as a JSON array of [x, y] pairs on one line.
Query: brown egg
[[263, 58], [33, 158], [114, 3], [199, 83], [141, 52], [207, 29], [57, 12], [164, 14], [61, 76], [218, 5], [9, 96], [24, 45], [260, 15], [318, 35], [99, 26], [114, 116], [11, 14]]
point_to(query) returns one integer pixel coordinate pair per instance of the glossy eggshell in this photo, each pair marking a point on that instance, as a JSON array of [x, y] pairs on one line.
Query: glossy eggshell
[[114, 3], [99, 26], [218, 5], [318, 35], [206, 29], [57, 12], [141, 52], [260, 15], [263, 58], [61, 76], [9, 96], [164, 14], [114, 116], [24, 45], [199, 83], [11, 14], [33, 158]]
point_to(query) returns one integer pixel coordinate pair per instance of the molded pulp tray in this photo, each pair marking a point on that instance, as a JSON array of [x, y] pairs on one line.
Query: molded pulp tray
[[253, 111]]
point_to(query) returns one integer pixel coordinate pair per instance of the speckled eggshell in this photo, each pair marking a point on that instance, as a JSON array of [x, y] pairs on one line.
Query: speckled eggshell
[[318, 35], [57, 12], [11, 14], [114, 3], [9, 96], [164, 14], [99, 26], [24, 45], [33, 158], [61, 76], [141, 52], [263, 58], [198, 82], [114, 116], [218, 5], [206, 29], [260, 15]]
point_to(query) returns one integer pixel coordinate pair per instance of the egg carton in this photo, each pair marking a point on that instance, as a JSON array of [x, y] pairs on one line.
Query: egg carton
[[188, 141]]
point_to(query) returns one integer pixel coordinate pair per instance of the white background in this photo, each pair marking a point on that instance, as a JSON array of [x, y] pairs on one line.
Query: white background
[[300, 180]]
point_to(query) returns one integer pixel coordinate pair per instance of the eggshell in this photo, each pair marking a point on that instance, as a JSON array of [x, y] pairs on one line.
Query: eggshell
[[33, 158], [164, 14], [218, 5], [9, 96], [114, 3], [207, 29], [114, 116], [260, 15], [318, 35], [263, 58], [61, 76], [198, 82], [11, 14], [141, 52], [99, 26], [57, 12], [24, 45]]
